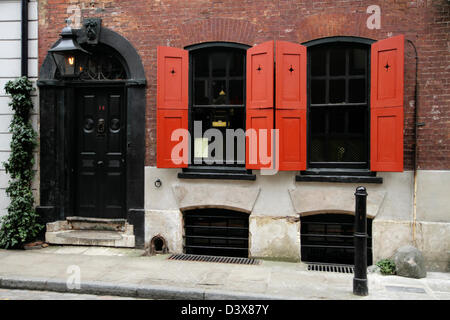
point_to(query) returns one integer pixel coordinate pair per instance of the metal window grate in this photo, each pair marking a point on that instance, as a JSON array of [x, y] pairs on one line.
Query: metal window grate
[[216, 232], [201, 258], [330, 268], [328, 239]]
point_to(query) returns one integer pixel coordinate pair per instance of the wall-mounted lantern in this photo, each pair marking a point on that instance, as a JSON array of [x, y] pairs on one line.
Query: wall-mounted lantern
[[70, 58]]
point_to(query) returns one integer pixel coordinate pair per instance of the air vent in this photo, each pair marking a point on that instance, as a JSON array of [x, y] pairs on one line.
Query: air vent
[[330, 268], [201, 258]]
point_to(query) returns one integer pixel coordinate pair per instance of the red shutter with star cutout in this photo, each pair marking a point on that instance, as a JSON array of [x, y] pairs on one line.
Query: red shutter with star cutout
[[290, 107], [172, 108], [259, 106], [386, 104]]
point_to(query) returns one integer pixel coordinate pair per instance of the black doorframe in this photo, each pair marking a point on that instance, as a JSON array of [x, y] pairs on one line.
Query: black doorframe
[[57, 104]]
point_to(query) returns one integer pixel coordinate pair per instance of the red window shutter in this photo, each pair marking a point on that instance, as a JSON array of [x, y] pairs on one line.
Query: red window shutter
[[386, 104], [258, 146], [291, 125], [260, 76], [172, 78], [290, 119], [172, 143], [259, 112], [172, 137]]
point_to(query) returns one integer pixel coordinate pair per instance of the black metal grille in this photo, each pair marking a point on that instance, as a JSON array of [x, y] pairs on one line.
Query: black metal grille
[[330, 268], [200, 258], [328, 238], [216, 232]]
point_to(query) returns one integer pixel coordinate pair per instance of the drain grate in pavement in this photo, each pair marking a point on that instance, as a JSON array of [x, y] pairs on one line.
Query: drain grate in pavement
[[201, 258], [340, 268]]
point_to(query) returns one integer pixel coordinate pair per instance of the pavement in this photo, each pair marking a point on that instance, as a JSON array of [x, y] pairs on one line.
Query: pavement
[[127, 273]]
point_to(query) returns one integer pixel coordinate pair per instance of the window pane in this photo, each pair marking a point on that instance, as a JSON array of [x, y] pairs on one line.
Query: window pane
[[219, 93], [236, 92], [221, 119], [357, 90], [357, 121], [317, 150], [337, 91], [237, 64], [219, 63], [201, 92], [318, 91], [337, 62], [318, 121], [355, 150], [357, 61], [337, 149], [201, 65], [318, 63], [337, 121], [347, 150]]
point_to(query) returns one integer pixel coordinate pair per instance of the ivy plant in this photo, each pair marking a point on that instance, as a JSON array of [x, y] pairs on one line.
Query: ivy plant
[[21, 224]]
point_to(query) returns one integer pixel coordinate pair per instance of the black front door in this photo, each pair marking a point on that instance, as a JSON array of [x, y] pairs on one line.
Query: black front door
[[100, 157]]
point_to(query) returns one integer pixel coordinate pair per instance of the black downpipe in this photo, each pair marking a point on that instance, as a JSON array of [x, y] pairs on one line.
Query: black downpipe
[[24, 56]]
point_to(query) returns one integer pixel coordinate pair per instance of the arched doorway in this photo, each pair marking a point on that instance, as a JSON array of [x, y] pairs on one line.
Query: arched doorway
[[92, 138]]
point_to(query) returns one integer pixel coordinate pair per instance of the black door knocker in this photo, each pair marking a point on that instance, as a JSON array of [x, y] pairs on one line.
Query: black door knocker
[[101, 127]]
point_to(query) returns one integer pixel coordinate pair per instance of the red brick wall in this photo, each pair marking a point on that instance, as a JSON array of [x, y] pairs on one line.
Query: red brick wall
[[149, 23]]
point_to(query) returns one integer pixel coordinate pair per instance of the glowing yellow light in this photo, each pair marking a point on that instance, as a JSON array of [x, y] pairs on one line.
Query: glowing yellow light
[[71, 60]]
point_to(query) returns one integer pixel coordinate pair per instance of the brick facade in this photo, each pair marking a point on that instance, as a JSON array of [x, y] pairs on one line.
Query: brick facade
[[150, 23]]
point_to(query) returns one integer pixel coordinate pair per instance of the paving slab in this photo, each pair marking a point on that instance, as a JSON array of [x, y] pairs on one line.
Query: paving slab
[[126, 272]]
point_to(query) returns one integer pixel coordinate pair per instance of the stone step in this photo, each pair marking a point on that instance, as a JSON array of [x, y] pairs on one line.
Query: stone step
[[85, 223], [91, 235], [91, 238], [91, 232]]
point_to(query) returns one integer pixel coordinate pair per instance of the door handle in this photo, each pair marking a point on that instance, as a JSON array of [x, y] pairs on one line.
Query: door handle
[[100, 163]]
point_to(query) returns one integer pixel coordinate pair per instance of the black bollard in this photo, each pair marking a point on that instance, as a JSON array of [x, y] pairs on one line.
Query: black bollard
[[360, 238]]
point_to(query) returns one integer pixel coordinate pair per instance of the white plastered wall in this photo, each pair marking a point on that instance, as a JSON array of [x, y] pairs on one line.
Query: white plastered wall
[[10, 69]]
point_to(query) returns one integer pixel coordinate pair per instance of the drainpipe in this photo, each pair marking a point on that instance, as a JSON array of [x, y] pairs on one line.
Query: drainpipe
[[24, 56], [416, 124]]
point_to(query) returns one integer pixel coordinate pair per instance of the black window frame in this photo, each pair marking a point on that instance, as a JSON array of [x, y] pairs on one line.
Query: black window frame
[[216, 171], [343, 169]]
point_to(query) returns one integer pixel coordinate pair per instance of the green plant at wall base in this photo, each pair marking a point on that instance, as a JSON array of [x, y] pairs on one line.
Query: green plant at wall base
[[387, 266], [21, 223]]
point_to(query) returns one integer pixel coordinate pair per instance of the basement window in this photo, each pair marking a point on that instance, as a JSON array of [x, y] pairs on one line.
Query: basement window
[[328, 238], [216, 232]]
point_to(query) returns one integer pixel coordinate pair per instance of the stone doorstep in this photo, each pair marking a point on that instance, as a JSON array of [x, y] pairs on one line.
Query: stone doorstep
[[80, 223], [91, 238], [85, 223], [91, 232]]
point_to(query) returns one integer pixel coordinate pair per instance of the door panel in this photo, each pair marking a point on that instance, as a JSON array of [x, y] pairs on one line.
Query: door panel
[[101, 167]]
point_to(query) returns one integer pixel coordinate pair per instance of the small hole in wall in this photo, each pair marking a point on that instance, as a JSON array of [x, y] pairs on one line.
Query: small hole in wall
[[157, 245]]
